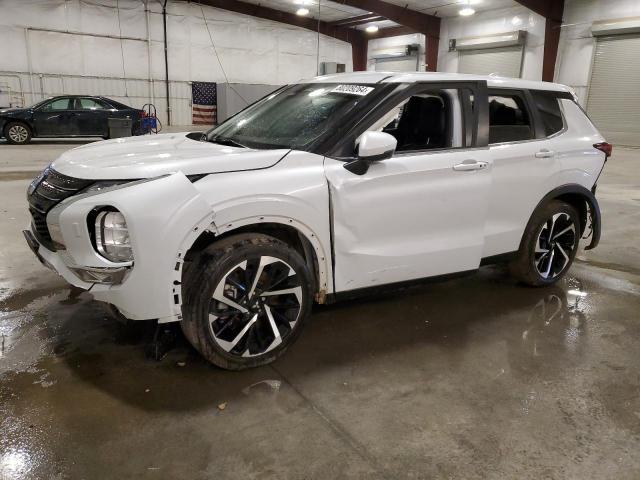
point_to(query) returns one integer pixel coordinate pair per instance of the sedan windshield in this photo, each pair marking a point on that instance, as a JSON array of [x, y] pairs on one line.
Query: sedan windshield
[[291, 118]]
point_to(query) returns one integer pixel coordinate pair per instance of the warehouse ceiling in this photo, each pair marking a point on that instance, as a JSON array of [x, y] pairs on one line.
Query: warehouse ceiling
[[336, 11]]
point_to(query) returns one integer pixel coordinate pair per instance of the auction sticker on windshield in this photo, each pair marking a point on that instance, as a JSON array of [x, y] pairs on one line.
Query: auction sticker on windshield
[[352, 89]]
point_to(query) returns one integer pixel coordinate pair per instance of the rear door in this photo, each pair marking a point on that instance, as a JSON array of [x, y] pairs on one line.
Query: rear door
[[422, 212], [525, 162], [54, 117], [91, 116]]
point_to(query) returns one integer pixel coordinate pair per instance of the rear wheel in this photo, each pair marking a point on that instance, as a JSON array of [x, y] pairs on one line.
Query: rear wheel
[[246, 300], [17, 133], [549, 245]]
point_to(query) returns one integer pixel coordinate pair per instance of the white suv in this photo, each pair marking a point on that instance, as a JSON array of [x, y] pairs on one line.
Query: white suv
[[321, 190]]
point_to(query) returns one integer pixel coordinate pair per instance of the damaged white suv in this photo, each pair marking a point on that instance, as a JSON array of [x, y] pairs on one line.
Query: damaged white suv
[[321, 190]]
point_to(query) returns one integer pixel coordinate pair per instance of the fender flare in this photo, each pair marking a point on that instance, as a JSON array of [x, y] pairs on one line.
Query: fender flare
[[589, 198], [323, 259]]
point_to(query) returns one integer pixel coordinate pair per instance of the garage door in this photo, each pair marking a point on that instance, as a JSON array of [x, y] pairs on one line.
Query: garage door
[[503, 61], [614, 92], [403, 64]]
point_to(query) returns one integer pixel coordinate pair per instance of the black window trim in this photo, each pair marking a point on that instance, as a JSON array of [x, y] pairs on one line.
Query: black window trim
[[41, 108], [475, 126], [78, 106]]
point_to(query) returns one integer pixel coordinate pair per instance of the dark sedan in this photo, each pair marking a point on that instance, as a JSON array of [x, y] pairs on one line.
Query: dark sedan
[[67, 116]]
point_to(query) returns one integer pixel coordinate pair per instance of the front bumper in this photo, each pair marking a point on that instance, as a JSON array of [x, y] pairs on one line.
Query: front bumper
[[161, 214], [54, 261], [35, 248]]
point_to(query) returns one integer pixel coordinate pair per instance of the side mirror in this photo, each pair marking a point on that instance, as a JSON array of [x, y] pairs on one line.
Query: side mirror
[[199, 136], [373, 147]]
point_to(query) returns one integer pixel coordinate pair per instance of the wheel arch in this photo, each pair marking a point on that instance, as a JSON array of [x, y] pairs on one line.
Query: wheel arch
[[288, 230], [584, 201]]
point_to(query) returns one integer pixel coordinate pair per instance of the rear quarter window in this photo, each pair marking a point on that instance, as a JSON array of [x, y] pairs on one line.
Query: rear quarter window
[[549, 109]]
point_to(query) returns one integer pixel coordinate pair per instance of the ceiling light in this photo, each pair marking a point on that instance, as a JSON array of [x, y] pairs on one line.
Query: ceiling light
[[465, 12], [303, 2], [302, 12], [372, 28]]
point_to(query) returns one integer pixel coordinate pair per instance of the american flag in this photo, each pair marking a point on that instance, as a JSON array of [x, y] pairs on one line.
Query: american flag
[[204, 100]]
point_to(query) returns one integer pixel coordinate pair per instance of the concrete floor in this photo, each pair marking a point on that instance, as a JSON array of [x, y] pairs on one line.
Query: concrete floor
[[472, 378]]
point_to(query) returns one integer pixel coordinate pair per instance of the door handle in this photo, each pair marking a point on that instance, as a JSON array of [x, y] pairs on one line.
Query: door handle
[[544, 153], [469, 165]]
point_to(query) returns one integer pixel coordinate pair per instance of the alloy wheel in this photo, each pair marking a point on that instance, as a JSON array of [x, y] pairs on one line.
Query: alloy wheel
[[18, 133], [255, 306], [554, 245]]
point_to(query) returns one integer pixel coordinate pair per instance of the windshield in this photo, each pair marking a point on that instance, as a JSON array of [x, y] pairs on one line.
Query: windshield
[[291, 118]]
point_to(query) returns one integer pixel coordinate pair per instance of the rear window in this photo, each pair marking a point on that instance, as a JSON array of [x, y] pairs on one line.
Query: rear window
[[549, 109], [508, 119]]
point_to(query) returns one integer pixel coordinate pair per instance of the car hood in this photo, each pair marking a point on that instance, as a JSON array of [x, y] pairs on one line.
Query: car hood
[[154, 155], [5, 111]]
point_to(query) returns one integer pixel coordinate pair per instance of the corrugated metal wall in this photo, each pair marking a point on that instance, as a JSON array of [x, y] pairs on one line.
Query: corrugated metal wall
[[614, 93]]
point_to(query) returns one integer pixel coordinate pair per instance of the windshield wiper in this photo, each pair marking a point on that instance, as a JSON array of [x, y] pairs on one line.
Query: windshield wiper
[[226, 141]]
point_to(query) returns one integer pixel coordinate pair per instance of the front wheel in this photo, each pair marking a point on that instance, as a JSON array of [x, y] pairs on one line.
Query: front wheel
[[246, 299], [17, 133], [549, 245]]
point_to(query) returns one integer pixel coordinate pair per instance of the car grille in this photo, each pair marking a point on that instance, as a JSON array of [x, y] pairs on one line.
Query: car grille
[[46, 191]]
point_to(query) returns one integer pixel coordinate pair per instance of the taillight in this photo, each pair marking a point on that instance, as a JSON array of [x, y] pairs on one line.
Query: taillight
[[605, 147]]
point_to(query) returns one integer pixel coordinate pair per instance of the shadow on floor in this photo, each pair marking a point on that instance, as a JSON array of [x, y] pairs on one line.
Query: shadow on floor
[[435, 323]]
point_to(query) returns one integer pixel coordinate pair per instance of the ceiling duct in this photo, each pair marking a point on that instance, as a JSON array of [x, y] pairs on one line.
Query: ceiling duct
[[507, 39], [617, 26]]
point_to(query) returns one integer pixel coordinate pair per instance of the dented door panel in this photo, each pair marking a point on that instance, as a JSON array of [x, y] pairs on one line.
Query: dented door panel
[[408, 217]]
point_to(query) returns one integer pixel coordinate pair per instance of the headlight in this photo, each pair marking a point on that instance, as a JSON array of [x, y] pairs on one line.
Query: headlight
[[98, 187], [112, 236]]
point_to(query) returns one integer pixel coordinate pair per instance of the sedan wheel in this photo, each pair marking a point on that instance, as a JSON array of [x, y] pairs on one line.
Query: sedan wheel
[[17, 133]]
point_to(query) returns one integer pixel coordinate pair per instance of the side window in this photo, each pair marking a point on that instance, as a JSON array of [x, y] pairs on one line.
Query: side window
[[549, 109], [58, 104], [423, 121], [89, 104], [509, 120]]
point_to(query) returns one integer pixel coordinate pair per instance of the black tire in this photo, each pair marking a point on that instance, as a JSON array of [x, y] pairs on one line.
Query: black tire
[[546, 253], [228, 269], [17, 133]]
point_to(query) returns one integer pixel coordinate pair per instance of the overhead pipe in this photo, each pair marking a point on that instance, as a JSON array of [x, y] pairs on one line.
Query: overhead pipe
[[166, 60]]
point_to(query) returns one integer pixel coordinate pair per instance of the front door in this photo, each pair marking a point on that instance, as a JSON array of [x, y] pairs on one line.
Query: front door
[[54, 118], [419, 214]]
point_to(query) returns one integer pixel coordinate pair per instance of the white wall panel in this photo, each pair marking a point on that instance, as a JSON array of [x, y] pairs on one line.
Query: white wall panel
[[136, 64], [98, 19], [33, 13], [14, 58], [95, 62], [53, 52], [251, 50]]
